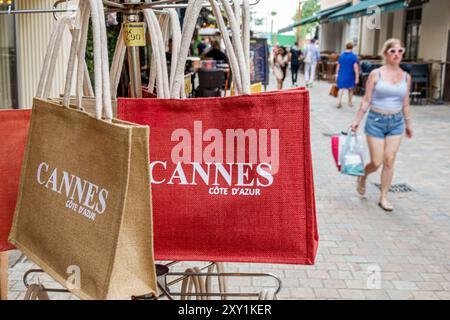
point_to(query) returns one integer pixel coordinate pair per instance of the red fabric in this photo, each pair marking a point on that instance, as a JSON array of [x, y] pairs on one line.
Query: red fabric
[[145, 92], [278, 225], [13, 132], [335, 150]]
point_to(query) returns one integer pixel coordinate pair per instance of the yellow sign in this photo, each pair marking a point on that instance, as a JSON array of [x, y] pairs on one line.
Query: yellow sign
[[188, 84], [134, 34]]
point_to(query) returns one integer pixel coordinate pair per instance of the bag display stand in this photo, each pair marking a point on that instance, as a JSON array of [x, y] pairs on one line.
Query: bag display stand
[[196, 282]]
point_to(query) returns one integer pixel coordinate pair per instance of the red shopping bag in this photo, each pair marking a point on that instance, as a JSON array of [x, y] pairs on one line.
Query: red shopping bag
[[335, 149], [14, 132], [232, 177]]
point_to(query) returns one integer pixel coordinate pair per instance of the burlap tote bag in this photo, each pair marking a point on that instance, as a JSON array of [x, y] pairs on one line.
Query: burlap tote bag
[[84, 207]]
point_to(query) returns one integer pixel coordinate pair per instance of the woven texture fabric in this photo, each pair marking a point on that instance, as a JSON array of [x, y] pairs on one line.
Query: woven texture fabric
[[80, 207], [214, 195], [14, 131]]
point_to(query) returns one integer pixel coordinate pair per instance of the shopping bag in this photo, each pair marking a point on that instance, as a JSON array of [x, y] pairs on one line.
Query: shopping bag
[[352, 155], [336, 142], [232, 177], [84, 210], [14, 131], [334, 91]]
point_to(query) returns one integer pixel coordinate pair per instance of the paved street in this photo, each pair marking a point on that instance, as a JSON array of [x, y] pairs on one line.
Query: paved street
[[364, 253]]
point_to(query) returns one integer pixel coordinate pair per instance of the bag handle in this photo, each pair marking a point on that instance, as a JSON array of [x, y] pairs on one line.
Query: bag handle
[[51, 55], [190, 19], [246, 32], [236, 54], [48, 69], [158, 53], [235, 30], [234, 62], [117, 63], [101, 68]]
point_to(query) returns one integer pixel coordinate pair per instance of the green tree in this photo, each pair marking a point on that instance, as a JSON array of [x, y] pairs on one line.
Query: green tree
[[309, 8]]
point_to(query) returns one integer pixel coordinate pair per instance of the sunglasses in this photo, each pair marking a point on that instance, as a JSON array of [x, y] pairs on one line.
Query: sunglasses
[[394, 51]]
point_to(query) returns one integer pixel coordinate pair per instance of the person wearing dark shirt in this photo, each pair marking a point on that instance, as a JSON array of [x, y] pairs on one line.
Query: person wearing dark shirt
[[201, 47], [295, 56], [216, 54], [169, 54]]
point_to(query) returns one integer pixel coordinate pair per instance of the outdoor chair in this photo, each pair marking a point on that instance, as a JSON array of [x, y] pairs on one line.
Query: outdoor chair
[[210, 83], [420, 82]]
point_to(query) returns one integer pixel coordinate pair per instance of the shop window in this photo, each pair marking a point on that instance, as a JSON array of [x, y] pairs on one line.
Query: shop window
[[8, 63], [412, 32]]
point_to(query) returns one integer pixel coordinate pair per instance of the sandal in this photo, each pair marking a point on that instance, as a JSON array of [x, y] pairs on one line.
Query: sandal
[[361, 187], [386, 206]]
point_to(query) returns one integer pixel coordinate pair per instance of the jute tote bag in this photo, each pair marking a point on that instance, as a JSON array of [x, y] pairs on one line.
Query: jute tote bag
[[14, 126], [232, 177], [84, 209]]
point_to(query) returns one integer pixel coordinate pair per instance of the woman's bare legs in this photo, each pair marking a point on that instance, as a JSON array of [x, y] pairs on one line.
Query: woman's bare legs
[[376, 150], [341, 94], [279, 84], [350, 97], [391, 146]]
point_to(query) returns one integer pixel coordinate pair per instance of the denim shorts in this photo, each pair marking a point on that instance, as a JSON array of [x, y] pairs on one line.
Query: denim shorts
[[380, 125]]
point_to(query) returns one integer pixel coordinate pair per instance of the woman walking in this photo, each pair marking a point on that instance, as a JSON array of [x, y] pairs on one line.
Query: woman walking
[[280, 62], [387, 97], [347, 74]]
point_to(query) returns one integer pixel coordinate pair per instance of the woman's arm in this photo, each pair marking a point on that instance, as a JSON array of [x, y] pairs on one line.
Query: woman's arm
[[356, 70], [365, 104], [338, 67], [407, 111]]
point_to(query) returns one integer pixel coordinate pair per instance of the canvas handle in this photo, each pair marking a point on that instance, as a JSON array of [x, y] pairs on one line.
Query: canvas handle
[[235, 50], [237, 43], [55, 43], [193, 284], [158, 53], [117, 63], [246, 33], [51, 56], [173, 21], [222, 283], [190, 19], [101, 67], [234, 62]]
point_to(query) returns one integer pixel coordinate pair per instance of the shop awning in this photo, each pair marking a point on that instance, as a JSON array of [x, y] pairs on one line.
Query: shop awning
[[367, 7], [314, 18]]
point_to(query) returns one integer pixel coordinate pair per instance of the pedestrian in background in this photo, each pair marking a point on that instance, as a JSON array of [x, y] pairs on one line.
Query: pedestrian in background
[[295, 55], [387, 98], [280, 64], [312, 55], [347, 74]]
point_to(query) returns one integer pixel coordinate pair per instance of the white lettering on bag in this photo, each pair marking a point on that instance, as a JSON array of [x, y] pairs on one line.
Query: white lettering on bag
[[82, 196], [211, 157]]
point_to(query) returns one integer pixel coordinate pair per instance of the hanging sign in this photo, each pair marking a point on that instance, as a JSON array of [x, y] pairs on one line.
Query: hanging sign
[[134, 34]]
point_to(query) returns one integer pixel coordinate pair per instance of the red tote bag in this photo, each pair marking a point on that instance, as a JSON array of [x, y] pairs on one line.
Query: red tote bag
[[232, 178], [14, 132]]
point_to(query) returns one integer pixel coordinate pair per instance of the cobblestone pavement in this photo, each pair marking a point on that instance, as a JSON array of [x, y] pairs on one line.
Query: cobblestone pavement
[[364, 253]]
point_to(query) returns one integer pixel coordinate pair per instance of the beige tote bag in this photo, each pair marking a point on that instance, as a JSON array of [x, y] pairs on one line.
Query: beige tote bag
[[84, 206]]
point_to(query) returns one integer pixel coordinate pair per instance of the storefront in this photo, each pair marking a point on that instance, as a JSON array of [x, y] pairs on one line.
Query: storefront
[[8, 63], [23, 41], [422, 25]]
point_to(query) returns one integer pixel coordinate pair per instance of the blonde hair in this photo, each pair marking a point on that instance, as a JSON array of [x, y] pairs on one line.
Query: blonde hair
[[349, 45], [386, 46]]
